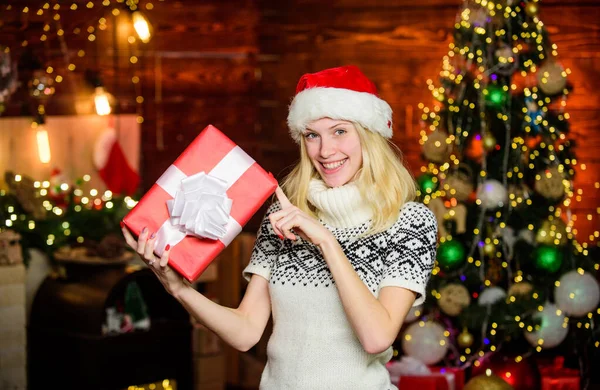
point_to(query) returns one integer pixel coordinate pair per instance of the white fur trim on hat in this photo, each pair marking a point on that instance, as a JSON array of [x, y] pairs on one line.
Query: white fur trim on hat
[[368, 110]]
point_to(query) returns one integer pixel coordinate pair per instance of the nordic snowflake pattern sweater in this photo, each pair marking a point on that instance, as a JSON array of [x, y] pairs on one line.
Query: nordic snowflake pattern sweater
[[313, 345]]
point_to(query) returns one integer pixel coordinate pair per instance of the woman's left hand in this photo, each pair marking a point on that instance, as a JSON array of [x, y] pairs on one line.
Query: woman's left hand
[[291, 217]]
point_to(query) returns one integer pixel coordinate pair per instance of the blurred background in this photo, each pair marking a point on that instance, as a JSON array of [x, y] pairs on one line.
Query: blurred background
[[99, 97]]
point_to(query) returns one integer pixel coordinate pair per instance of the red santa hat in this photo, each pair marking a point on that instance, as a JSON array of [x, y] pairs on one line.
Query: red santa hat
[[342, 93]]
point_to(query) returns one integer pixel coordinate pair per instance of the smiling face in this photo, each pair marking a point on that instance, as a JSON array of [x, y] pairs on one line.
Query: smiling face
[[334, 148]]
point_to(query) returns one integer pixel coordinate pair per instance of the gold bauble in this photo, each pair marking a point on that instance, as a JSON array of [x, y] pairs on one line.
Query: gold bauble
[[552, 232], [454, 298], [521, 288], [551, 78], [465, 339], [459, 183], [489, 142], [550, 184], [436, 149], [489, 249], [487, 382], [532, 9]]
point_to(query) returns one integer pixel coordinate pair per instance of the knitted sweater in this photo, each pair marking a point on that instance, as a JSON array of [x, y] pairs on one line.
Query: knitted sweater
[[313, 345]]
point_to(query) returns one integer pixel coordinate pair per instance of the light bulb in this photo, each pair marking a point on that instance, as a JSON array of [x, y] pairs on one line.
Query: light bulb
[[141, 26], [43, 144], [102, 100]]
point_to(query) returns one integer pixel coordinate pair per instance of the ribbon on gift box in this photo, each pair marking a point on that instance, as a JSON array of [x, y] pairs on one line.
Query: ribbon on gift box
[[200, 206]]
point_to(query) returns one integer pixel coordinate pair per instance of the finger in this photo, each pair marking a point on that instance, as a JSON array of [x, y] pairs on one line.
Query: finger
[[164, 259], [283, 200], [274, 219], [141, 244], [149, 248], [129, 238], [286, 224]]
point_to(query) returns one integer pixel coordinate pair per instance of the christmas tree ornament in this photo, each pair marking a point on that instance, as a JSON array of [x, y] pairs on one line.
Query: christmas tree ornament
[[428, 183], [489, 142], [505, 59], [495, 95], [550, 184], [552, 232], [492, 194], [465, 339], [518, 371], [548, 258], [436, 148], [450, 254], [458, 184], [414, 314], [534, 116], [489, 249], [474, 149], [522, 79], [518, 194], [453, 299], [494, 271], [458, 214], [520, 289], [552, 329], [532, 8], [425, 341], [491, 295], [526, 235], [552, 78], [577, 294], [487, 382]]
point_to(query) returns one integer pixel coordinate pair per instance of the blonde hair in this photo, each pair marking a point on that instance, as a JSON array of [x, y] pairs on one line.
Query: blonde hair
[[383, 179]]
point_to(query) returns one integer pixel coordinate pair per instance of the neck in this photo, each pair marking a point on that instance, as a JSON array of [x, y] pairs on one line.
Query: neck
[[340, 207]]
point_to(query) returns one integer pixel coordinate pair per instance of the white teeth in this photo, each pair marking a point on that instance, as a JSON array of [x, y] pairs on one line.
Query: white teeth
[[334, 165]]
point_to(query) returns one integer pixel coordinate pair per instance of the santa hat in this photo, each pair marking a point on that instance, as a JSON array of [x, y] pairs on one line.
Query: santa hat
[[343, 93]]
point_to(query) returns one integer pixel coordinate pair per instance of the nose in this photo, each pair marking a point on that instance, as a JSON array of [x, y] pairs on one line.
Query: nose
[[327, 147]]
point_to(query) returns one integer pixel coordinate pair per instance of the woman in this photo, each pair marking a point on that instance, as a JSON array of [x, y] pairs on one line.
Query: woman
[[341, 262]]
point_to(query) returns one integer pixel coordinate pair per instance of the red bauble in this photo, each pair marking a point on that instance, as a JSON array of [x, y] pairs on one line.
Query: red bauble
[[522, 375]]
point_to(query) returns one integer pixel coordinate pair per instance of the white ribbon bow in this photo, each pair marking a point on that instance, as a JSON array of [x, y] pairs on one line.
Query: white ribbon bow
[[201, 207]]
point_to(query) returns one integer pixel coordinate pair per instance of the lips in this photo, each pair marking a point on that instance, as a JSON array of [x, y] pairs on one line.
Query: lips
[[333, 166]]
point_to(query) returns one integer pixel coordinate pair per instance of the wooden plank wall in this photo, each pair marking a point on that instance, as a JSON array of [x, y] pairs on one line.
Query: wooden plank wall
[[400, 44], [235, 64]]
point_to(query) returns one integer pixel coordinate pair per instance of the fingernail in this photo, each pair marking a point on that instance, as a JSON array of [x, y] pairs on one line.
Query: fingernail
[[168, 247], [280, 236], [153, 235], [144, 230], [122, 224]]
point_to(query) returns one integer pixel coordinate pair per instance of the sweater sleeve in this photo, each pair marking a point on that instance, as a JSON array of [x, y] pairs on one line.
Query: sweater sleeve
[[411, 251], [265, 249]]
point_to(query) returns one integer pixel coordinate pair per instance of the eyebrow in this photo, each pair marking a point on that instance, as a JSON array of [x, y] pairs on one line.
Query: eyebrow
[[331, 127]]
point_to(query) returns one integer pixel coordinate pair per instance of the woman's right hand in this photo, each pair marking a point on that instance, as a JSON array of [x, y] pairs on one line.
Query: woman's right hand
[[144, 246]]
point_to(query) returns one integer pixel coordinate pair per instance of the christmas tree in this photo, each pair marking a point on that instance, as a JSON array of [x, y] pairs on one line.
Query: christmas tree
[[512, 284]]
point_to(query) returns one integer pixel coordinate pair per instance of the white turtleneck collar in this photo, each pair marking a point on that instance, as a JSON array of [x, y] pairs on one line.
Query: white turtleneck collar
[[339, 207]]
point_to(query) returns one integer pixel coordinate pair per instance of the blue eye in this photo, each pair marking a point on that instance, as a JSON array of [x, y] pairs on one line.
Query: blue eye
[[310, 135], [340, 131]]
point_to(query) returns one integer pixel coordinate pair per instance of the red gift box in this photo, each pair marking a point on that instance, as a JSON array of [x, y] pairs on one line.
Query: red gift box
[[430, 382], [556, 377], [405, 375], [245, 183], [459, 375]]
